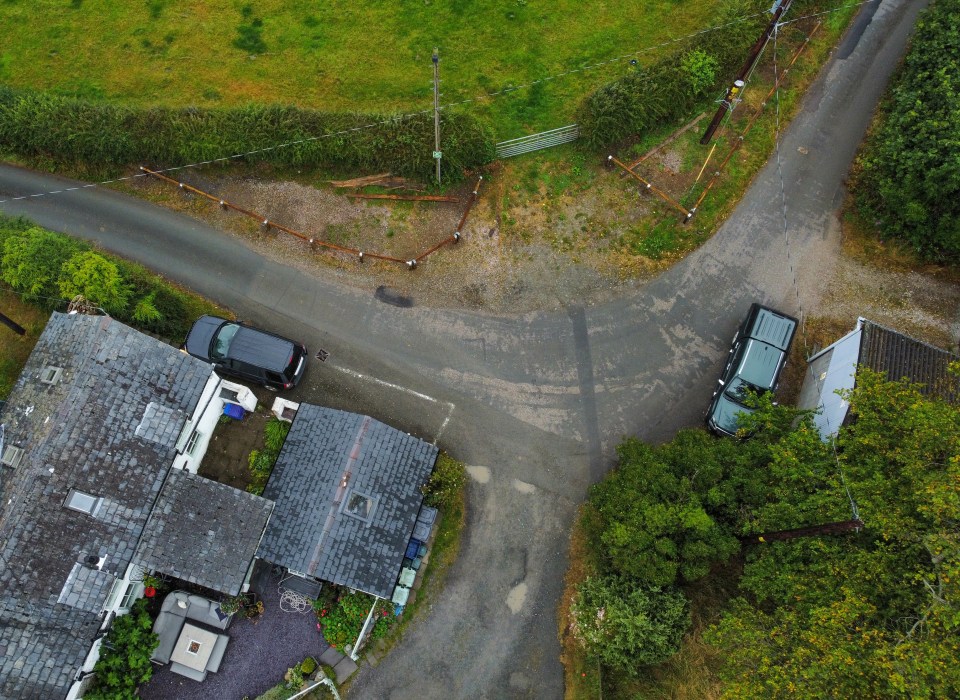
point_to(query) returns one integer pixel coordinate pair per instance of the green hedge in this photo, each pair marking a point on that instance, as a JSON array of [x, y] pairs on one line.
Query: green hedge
[[77, 131], [907, 178], [669, 88]]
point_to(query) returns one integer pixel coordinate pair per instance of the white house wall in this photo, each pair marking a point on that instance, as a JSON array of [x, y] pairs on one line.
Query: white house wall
[[829, 371], [205, 418]]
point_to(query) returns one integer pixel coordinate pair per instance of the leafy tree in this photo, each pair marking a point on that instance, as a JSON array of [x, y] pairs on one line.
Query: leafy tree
[[665, 513], [145, 311], [908, 176], [31, 263], [125, 656], [626, 625], [873, 614], [97, 279]]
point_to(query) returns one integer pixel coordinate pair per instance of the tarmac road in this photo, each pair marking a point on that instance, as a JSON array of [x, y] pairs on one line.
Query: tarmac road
[[534, 404]]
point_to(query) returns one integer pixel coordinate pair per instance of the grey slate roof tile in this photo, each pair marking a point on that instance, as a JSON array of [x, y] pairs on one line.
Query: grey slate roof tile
[[390, 466], [204, 532], [79, 433]]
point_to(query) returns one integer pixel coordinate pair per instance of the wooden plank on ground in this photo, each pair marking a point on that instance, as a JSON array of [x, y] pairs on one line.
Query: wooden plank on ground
[[404, 197]]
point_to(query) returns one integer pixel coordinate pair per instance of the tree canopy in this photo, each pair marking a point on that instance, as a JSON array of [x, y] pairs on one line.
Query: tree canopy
[[871, 613], [908, 176]]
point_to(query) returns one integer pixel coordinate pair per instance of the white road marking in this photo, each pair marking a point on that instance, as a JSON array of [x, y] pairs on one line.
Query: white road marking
[[405, 390]]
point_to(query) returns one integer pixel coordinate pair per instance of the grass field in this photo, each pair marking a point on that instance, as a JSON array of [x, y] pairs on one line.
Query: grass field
[[372, 56], [14, 349]]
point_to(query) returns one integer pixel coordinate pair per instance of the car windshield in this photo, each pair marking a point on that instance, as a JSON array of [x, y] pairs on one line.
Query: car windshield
[[739, 390], [221, 341]]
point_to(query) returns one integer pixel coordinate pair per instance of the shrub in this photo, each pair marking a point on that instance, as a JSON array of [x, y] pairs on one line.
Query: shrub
[[308, 665], [95, 278], [625, 625], [125, 656], [669, 88], [446, 482], [342, 624], [102, 135], [31, 263]]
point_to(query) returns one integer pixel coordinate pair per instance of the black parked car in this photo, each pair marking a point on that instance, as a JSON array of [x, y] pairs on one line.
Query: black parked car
[[249, 353], [756, 359]]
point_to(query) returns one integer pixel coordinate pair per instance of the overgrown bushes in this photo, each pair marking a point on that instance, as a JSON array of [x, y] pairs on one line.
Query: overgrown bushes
[[48, 269], [76, 131], [673, 85], [907, 178], [447, 480], [125, 656], [261, 462]]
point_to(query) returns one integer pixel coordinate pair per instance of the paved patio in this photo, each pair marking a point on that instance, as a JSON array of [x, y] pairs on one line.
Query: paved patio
[[257, 657]]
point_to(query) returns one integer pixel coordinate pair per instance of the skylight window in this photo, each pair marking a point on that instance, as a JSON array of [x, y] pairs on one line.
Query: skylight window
[[12, 456], [359, 505], [50, 374], [83, 502]]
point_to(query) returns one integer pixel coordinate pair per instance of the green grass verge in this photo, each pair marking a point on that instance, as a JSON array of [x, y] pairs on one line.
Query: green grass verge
[[15, 349], [337, 55]]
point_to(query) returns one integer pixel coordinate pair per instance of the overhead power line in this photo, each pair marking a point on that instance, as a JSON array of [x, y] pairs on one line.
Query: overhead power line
[[408, 115]]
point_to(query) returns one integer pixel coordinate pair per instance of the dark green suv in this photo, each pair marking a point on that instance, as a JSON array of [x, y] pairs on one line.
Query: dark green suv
[[756, 359]]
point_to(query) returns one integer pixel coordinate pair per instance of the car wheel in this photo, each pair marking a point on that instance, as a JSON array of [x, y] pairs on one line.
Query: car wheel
[[268, 387]]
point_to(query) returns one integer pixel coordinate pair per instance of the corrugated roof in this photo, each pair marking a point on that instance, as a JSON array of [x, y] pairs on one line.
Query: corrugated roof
[[80, 433], [204, 532], [902, 357], [311, 530]]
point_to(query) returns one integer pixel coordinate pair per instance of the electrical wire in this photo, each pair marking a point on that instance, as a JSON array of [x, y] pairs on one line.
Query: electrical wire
[[408, 115], [400, 117]]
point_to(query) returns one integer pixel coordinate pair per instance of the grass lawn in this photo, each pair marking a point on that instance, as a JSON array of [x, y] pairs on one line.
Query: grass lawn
[[372, 56], [14, 349]]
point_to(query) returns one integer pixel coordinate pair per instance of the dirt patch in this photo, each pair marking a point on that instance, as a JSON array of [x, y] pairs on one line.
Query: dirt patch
[[227, 456]]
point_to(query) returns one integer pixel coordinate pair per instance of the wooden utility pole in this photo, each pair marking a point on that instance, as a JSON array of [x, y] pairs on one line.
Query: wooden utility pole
[[812, 531], [739, 82], [436, 110], [12, 325]]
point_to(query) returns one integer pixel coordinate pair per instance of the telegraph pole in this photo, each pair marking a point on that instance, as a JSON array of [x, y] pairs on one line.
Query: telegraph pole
[[436, 110], [840, 528], [740, 80], [12, 325]]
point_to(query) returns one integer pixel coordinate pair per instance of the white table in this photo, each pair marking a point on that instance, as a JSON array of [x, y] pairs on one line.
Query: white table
[[194, 647]]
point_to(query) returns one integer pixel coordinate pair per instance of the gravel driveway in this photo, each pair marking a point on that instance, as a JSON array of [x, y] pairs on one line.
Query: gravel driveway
[[257, 657]]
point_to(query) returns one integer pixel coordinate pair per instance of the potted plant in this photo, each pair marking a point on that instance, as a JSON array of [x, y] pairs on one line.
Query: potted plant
[[150, 585], [231, 604]]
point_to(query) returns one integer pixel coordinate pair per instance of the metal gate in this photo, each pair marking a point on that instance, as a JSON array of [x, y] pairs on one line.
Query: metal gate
[[536, 142]]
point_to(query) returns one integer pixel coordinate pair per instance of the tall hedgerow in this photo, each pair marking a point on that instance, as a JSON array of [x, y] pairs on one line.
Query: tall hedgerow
[[907, 179], [77, 131], [670, 87]]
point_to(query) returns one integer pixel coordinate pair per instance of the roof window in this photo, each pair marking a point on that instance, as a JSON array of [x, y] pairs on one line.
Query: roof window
[[359, 505], [83, 502], [12, 456], [50, 374]]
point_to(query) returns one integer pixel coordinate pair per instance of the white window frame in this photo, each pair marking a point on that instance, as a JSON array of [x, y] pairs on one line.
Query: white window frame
[[94, 502], [192, 442]]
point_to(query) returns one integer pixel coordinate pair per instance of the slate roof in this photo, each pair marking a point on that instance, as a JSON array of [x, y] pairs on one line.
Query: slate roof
[[899, 356], [204, 532], [93, 430], [311, 533]]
